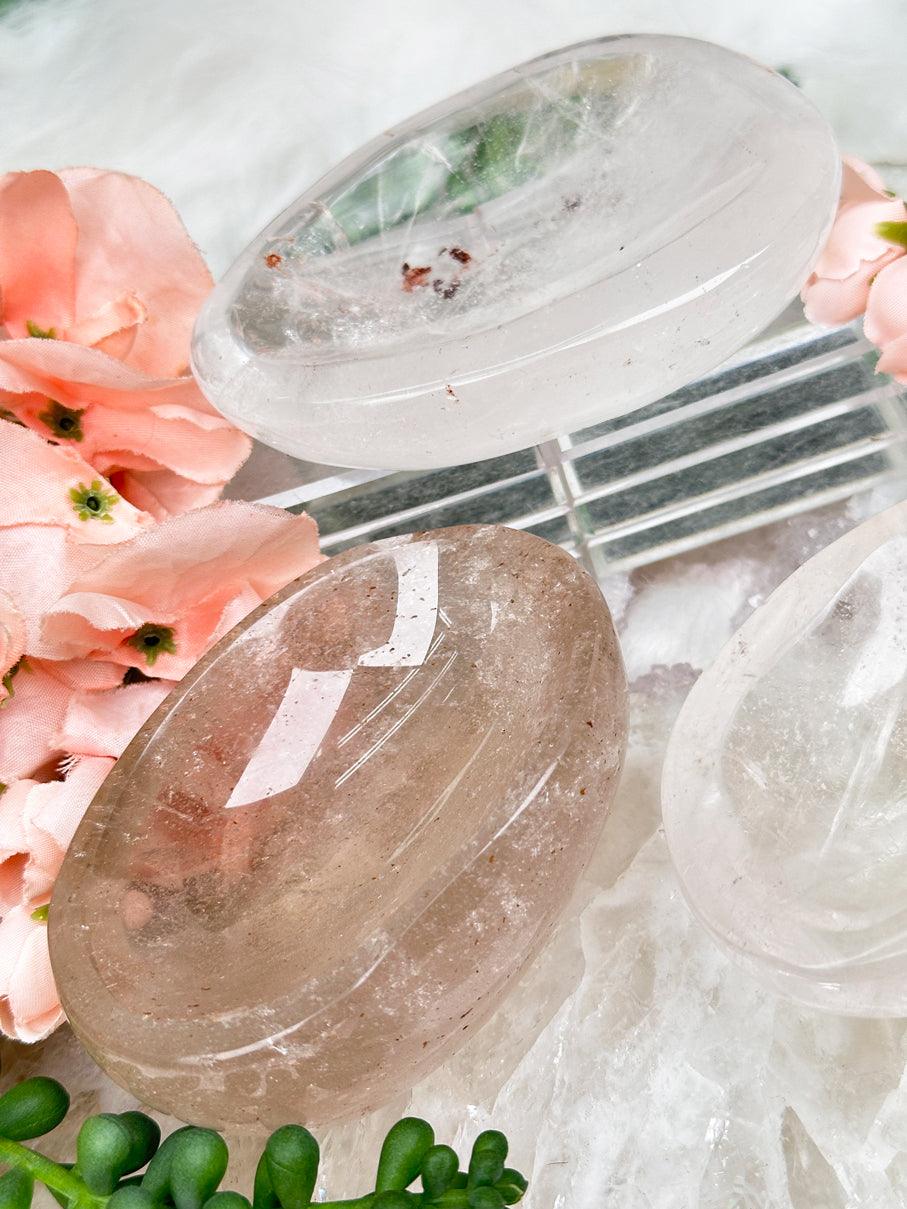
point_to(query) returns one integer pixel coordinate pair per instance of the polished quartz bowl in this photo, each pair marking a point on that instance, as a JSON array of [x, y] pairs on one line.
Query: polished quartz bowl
[[783, 792], [559, 245]]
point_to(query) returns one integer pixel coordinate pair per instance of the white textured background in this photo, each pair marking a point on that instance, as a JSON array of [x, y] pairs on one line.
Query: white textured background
[[232, 107]]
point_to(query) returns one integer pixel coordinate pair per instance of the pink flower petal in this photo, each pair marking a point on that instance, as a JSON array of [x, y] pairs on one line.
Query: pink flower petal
[[886, 310], [163, 494], [113, 319], [853, 241], [30, 722], [183, 574], [35, 483], [894, 359], [191, 443], [831, 302], [73, 373], [56, 809], [12, 637], [37, 823], [102, 724], [38, 236], [37, 563], [87, 675], [226, 546], [131, 240], [859, 182], [30, 1005], [129, 422], [13, 843]]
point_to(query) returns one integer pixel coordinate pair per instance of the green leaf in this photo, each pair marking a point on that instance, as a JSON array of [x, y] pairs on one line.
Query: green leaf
[[16, 1188], [146, 1137], [291, 1155], [263, 1194], [227, 1200], [402, 1153], [32, 1108], [198, 1166], [485, 1198], [393, 1198], [132, 1197], [486, 1165], [512, 1186], [439, 1169], [156, 1179], [103, 1148]]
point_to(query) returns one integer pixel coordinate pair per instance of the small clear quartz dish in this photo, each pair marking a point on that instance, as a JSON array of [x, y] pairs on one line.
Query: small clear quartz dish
[[783, 791], [555, 247]]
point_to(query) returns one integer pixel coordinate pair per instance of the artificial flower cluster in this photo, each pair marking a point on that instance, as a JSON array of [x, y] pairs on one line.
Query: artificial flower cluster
[[117, 568], [863, 269]]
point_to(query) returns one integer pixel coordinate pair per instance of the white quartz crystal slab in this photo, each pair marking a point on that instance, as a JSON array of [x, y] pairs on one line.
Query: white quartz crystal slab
[[784, 784], [559, 245]]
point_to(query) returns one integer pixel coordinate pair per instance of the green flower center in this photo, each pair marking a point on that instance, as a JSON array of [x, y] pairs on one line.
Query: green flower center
[[41, 333], [65, 422], [93, 502], [152, 640], [893, 232]]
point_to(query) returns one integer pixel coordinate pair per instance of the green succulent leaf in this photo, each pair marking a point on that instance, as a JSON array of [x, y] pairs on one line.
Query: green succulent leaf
[[32, 1109], [439, 1170], [292, 1157], [16, 1188], [512, 1186], [263, 1194], [198, 1166], [145, 1134], [185, 1170], [485, 1198], [156, 1180], [103, 1149], [486, 1166], [394, 1198], [402, 1153], [132, 1196]]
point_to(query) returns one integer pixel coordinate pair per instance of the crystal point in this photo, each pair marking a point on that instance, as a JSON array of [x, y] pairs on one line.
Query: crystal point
[[316, 870]]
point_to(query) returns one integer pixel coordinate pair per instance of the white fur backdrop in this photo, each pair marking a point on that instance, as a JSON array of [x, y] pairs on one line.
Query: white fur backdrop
[[232, 107]]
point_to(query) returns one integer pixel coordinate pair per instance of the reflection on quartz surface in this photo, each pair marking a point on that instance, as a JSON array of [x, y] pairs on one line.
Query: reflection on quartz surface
[[784, 793], [312, 699], [326, 857]]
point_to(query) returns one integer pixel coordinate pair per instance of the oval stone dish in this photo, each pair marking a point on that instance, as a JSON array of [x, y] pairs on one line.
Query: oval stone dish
[[552, 248], [323, 861]]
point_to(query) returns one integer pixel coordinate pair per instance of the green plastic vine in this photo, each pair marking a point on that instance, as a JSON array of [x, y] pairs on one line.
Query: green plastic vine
[[121, 1163]]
